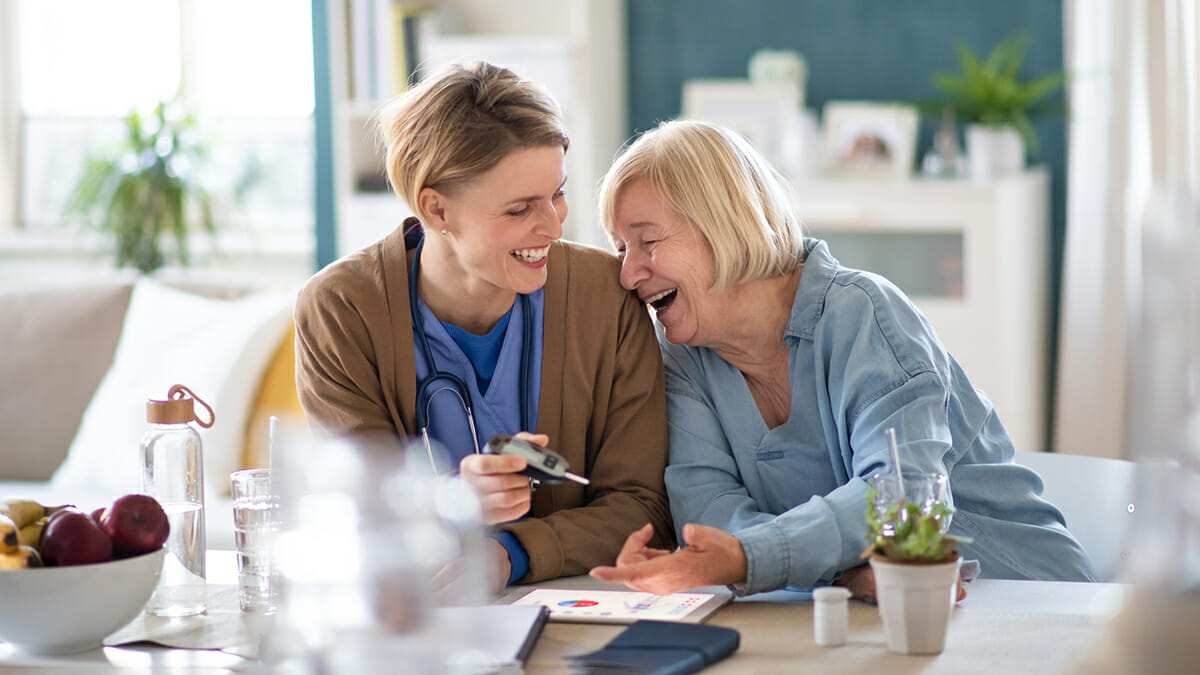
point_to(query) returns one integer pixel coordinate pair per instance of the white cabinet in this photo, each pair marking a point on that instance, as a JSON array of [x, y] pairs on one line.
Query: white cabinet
[[575, 48], [973, 257]]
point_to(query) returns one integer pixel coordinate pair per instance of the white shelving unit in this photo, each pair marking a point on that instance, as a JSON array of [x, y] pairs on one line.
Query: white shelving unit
[[973, 257], [576, 48]]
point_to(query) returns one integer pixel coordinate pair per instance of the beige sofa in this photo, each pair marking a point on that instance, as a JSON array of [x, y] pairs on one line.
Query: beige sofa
[[58, 343]]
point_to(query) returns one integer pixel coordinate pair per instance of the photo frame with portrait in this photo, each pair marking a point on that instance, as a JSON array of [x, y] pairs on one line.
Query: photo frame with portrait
[[868, 140]]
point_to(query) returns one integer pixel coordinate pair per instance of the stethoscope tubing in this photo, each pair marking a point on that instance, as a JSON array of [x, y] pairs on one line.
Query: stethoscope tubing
[[452, 382]]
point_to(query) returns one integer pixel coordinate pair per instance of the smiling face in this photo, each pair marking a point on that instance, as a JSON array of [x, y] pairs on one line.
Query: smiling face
[[667, 263], [500, 223]]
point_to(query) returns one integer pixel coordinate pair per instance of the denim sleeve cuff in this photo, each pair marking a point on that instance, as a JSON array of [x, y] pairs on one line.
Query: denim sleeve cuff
[[517, 556], [807, 545], [767, 561], [849, 507]]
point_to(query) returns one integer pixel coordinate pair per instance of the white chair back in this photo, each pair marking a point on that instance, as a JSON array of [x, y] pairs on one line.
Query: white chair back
[[1096, 496]]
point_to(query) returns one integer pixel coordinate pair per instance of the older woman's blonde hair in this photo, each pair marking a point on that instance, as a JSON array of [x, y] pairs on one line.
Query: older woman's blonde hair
[[460, 122], [721, 184]]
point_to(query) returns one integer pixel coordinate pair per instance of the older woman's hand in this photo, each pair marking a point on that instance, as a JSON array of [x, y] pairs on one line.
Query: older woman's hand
[[503, 492], [711, 557]]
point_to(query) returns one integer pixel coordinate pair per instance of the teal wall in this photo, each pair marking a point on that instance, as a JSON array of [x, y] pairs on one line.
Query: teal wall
[[882, 50], [324, 203]]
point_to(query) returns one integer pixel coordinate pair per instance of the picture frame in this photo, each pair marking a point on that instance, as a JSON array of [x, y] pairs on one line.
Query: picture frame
[[766, 114], [868, 140]]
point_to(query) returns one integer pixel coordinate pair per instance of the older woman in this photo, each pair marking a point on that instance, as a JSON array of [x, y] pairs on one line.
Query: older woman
[[783, 371], [475, 320]]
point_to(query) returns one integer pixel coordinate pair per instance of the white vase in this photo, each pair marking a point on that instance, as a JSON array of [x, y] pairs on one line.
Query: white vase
[[994, 151], [915, 603]]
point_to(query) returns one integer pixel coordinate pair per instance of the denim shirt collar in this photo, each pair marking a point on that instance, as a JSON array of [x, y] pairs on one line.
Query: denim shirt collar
[[820, 267]]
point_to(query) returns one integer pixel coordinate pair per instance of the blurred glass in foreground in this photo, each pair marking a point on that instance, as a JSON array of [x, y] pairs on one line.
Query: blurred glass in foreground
[[373, 550]]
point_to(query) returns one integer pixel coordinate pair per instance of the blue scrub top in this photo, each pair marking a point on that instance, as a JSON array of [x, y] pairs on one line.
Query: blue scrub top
[[499, 410]]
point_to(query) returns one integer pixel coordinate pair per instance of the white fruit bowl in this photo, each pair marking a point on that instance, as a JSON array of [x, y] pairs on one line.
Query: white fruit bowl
[[63, 610]]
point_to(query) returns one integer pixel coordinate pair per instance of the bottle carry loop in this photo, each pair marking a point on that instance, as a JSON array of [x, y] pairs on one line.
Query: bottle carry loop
[[179, 392]]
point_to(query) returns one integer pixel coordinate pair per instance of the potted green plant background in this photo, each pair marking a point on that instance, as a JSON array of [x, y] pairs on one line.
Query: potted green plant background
[[998, 106], [914, 560], [146, 191]]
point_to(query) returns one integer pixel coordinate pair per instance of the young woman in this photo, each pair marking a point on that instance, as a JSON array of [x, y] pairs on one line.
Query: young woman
[[474, 319]]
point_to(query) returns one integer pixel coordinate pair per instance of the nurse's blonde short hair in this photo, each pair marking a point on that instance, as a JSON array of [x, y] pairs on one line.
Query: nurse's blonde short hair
[[460, 122], [720, 183]]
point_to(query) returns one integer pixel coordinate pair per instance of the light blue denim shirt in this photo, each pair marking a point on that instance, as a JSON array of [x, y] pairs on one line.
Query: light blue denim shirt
[[862, 359]]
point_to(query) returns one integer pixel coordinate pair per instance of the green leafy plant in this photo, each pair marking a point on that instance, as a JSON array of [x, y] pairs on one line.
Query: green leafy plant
[[903, 533], [146, 190], [989, 92]]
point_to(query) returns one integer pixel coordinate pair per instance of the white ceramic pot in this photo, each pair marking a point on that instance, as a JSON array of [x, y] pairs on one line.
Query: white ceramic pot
[[915, 603], [994, 151]]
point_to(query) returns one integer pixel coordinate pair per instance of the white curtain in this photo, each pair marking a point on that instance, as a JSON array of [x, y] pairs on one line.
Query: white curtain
[[1134, 133], [9, 116]]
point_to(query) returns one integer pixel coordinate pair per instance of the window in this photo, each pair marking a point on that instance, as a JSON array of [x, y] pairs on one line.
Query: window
[[242, 69]]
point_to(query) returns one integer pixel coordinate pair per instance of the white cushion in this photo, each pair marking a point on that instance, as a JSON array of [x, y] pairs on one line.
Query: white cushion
[[217, 348]]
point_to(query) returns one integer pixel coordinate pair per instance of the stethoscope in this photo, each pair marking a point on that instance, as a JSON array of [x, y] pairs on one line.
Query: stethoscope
[[445, 381]]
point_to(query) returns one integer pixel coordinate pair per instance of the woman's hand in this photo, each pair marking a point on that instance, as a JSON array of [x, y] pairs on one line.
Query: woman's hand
[[504, 493], [454, 582], [860, 581], [499, 567], [711, 557]]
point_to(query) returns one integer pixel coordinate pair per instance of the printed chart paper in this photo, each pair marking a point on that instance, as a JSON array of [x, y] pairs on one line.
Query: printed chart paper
[[622, 606]]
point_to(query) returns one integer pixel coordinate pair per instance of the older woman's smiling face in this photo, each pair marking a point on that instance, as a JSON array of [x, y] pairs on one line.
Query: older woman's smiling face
[[666, 262]]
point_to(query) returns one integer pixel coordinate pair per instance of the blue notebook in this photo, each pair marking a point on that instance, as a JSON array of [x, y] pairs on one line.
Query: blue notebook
[[662, 648]]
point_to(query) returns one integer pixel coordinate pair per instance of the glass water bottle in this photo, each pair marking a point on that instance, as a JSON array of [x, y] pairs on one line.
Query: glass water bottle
[[173, 473]]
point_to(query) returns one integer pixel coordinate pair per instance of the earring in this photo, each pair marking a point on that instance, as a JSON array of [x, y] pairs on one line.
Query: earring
[[444, 232]]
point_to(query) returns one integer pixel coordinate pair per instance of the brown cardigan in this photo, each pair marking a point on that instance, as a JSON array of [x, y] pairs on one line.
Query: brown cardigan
[[602, 401]]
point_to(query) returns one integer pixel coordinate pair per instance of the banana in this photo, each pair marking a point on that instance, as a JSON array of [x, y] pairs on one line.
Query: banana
[[9, 535], [25, 511], [21, 558], [31, 534]]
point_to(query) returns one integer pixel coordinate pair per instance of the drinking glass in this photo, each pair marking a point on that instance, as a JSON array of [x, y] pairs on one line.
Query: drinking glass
[[921, 488], [378, 556], [256, 524]]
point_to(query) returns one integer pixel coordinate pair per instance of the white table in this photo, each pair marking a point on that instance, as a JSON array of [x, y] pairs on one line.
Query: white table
[[1002, 626]]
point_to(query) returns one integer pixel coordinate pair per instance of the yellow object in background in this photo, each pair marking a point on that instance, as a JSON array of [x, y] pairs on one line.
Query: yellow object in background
[[276, 396]]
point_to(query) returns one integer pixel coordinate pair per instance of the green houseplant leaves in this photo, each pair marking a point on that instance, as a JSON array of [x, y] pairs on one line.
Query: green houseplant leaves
[[989, 92], [145, 190], [903, 533]]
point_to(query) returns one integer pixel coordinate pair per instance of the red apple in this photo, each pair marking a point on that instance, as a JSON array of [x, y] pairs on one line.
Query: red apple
[[96, 515], [72, 538], [136, 523]]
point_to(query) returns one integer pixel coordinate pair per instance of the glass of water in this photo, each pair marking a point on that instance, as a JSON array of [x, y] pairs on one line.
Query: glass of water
[[255, 526], [920, 488]]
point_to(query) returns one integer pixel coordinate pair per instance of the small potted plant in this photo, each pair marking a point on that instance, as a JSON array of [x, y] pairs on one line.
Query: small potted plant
[[998, 107], [147, 190], [915, 563]]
